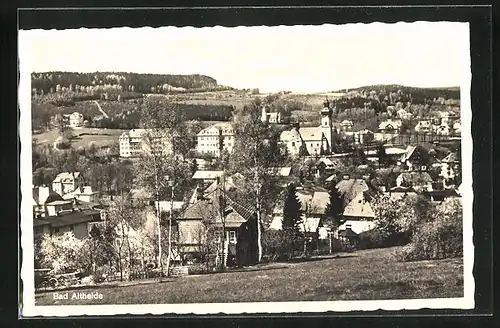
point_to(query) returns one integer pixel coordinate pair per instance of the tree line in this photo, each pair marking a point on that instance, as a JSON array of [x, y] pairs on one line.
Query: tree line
[[141, 83]]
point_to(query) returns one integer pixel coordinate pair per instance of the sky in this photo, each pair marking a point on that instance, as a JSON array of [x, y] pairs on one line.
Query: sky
[[296, 58]]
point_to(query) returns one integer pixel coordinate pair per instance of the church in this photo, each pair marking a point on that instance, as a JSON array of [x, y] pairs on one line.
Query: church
[[311, 141]]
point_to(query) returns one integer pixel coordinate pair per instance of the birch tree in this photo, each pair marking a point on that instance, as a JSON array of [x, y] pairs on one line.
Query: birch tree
[[164, 141], [256, 156]]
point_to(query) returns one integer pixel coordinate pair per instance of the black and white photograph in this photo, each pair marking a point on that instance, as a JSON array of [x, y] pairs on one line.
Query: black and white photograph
[[248, 169]]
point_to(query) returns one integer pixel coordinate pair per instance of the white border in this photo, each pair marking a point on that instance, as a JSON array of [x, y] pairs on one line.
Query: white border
[[28, 308]]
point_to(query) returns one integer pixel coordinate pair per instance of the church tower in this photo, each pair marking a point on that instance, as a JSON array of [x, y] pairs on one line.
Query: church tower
[[327, 125]]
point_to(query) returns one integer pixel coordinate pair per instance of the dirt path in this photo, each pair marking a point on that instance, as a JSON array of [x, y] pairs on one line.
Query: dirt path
[[100, 109]]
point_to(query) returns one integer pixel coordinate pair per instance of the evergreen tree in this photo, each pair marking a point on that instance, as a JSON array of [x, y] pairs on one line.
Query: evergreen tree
[[335, 208], [292, 213], [359, 156], [292, 218], [381, 154]]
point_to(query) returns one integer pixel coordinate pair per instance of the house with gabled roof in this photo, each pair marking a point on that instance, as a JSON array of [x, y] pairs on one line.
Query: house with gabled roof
[[207, 176], [76, 221], [439, 196], [443, 129], [346, 125], [390, 126], [450, 165], [67, 182], [292, 141], [360, 137], [418, 158], [400, 192], [47, 202], [326, 166], [313, 207], [423, 126], [83, 193], [358, 214], [202, 222]]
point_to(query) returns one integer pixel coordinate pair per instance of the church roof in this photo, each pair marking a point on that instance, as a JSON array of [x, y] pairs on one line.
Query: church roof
[[311, 134]]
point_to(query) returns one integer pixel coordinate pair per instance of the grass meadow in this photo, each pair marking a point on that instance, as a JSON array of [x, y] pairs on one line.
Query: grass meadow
[[362, 275], [83, 137]]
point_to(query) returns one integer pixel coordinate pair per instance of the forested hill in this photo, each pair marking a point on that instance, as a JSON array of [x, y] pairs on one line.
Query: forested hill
[[417, 93], [135, 82]]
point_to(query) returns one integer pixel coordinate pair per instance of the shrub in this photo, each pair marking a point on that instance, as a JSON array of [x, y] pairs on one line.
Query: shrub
[[324, 246], [377, 238], [441, 237], [279, 245]]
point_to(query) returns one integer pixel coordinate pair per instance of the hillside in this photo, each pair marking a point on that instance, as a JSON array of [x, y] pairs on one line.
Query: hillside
[[49, 82], [417, 93]]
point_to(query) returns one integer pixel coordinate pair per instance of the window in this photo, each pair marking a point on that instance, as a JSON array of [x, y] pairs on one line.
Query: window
[[232, 237], [38, 230], [71, 228], [56, 230]]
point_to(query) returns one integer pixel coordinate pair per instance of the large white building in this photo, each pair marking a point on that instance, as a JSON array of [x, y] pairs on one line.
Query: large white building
[[315, 140], [136, 142], [216, 138]]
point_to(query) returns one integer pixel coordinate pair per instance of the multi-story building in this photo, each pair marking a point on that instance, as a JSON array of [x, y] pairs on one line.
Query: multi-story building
[[138, 142], [216, 138]]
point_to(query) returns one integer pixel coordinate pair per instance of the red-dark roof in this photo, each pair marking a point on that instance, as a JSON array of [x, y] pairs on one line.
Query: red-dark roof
[[68, 219], [347, 233], [208, 209]]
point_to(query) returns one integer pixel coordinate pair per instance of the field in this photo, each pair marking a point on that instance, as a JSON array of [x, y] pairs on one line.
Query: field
[[362, 275], [83, 137]]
